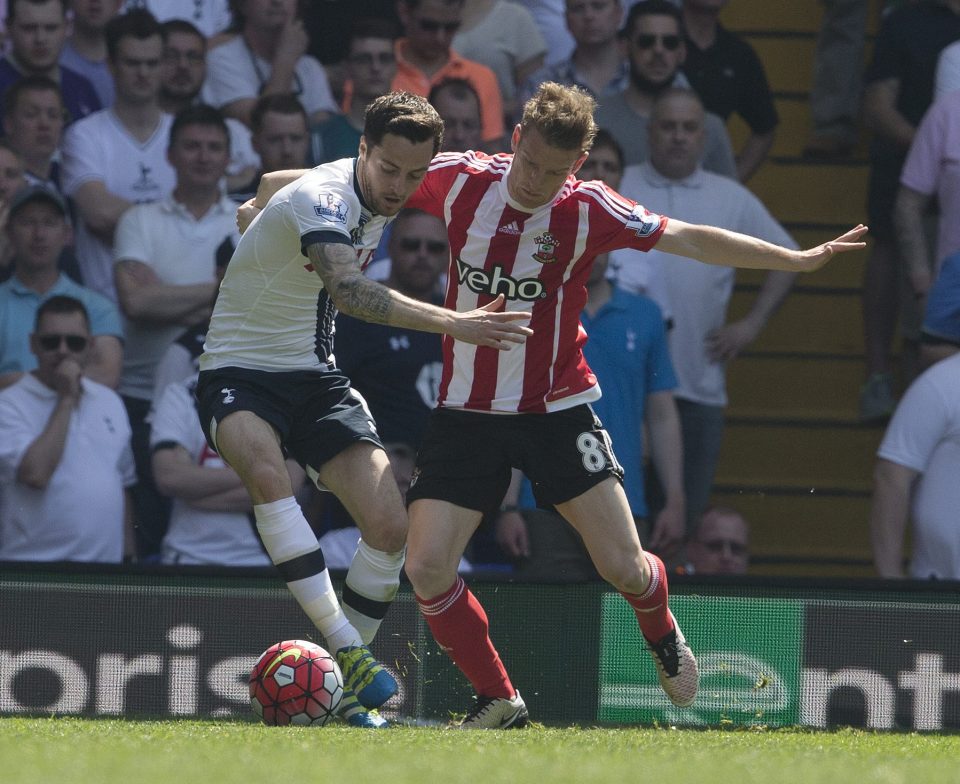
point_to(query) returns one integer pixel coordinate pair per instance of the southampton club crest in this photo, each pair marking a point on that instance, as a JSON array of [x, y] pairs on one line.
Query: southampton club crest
[[546, 245]]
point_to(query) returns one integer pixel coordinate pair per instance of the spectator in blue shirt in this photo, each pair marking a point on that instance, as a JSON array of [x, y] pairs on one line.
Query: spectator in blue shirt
[[38, 230]]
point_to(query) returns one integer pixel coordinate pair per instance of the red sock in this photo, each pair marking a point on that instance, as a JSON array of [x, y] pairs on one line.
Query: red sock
[[460, 627], [650, 607]]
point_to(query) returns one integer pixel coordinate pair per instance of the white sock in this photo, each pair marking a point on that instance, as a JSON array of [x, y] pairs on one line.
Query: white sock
[[372, 583], [293, 548]]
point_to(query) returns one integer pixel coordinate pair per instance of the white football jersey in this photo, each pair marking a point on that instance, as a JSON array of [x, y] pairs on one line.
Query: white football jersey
[[272, 312]]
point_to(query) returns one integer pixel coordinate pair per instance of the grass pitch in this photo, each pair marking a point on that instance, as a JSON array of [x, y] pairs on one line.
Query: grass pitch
[[66, 750]]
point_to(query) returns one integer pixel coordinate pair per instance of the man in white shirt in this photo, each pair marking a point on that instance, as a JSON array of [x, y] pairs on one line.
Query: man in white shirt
[[696, 294], [116, 157], [915, 479], [166, 262], [64, 451], [269, 56]]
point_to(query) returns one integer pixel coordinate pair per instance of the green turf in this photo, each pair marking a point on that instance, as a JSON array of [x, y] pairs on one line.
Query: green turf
[[65, 750]]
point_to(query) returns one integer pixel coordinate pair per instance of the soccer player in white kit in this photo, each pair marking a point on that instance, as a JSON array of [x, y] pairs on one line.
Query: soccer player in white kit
[[269, 383]]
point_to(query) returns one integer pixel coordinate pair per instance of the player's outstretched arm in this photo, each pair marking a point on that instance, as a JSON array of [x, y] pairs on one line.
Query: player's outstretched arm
[[712, 245], [362, 298]]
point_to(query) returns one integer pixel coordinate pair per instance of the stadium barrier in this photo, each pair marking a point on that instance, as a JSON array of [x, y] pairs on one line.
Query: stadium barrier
[[148, 642]]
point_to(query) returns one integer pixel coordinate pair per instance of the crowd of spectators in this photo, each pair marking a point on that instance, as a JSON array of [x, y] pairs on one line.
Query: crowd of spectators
[[131, 130]]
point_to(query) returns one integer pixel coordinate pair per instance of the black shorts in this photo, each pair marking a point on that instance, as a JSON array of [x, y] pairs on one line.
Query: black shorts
[[466, 457], [316, 413]]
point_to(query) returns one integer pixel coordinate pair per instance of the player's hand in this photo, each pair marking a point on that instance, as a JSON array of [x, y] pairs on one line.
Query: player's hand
[[246, 212], [487, 326], [815, 258], [726, 342], [511, 534]]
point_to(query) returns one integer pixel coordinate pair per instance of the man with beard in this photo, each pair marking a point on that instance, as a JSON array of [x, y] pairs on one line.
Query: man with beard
[[653, 34]]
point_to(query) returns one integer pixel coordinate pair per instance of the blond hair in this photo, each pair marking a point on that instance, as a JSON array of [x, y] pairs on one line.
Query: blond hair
[[562, 115]]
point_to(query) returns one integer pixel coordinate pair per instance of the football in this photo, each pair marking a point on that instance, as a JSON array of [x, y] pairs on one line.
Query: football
[[295, 682]]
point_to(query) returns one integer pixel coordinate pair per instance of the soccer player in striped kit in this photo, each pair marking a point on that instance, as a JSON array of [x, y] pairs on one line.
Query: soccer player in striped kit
[[522, 226]]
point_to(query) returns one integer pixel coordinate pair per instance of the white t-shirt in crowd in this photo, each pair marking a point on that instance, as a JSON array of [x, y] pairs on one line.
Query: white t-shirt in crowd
[[924, 435], [79, 515], [234, 72], [99, 148], [181, 250], [694, 294]]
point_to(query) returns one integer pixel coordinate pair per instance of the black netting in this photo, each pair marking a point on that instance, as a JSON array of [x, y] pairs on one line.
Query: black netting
[[157, 644]]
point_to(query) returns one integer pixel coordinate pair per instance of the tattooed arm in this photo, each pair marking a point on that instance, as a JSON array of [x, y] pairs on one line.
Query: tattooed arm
[[362, 298]]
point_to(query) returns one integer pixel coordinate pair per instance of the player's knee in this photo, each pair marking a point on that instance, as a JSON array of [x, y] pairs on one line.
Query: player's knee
[[429, 578], [385, 528], [387, 532], [266, 482], [624, 573]]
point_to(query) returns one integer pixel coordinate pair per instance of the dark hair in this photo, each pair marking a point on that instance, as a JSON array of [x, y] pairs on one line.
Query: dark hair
[[606, 139], [402, 114], [372, 27], [12, 7], [61, 304], [652, 8], [459, 88], [137, 23], [280, 103], [181, 26], [562, 115], [198, 114], [11, 96]]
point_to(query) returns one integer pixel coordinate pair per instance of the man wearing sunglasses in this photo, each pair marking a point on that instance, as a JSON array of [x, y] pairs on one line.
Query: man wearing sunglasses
[[65, 457], [38, 230], [653, 37], [425, 58]]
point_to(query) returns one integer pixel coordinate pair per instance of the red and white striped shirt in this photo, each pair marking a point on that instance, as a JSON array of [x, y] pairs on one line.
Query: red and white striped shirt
[[540, 260]]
